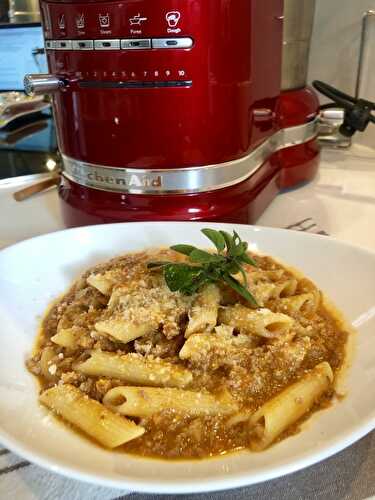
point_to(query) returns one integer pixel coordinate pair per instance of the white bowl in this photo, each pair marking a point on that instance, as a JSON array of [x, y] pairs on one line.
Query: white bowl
[[34, 272]]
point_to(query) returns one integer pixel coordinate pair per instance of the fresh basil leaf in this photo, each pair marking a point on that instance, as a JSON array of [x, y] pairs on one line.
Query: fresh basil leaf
[[244, 246], [239, 246], [184, 249], [233, 267], [153, 265], [248, 260], [241, 290], [199, 283], [204, 257], [213, 268], [244, 276], [216, 237], [236, 238], [228, 241], [183, 278]]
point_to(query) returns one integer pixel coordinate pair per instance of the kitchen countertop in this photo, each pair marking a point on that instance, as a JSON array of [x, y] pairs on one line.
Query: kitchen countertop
[[340, 202]]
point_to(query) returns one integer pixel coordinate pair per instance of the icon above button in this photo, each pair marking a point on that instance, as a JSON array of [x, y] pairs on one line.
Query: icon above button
[[80, 21], [104, 20], [136, 43], [172, 43], [61, 21], [137, 20]]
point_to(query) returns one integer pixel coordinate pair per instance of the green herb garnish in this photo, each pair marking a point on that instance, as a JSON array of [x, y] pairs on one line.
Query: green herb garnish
[[208, 267]]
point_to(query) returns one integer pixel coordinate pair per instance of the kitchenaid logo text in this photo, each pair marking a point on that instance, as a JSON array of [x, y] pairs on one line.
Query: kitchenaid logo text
[[90, 176]]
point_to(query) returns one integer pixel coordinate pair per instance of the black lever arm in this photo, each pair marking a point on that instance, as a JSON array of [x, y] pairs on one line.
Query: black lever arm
[[358, 112]]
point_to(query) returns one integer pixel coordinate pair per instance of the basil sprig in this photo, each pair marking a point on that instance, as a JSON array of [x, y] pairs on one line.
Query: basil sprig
[[208, 267]]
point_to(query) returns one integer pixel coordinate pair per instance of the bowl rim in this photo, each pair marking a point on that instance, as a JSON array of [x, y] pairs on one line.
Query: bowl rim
[[234, 479]]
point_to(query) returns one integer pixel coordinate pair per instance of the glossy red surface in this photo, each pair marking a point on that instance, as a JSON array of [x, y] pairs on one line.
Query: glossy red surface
[[233, 104], [243, 203], [298, 164], [297, 107], [234, 69]]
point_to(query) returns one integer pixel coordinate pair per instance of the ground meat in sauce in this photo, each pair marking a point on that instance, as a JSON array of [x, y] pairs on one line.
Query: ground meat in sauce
[[252, 375]]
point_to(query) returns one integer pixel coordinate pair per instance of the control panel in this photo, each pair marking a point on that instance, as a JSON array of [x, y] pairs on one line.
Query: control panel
[[160, 83], [121, 19], [121, 44]]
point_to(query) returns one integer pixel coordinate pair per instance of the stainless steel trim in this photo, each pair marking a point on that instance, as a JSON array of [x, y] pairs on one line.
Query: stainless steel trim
[[330, 121], [185, 180], [83, 45], [63, 44], [41, 83], [172, 43], [136, 43], [364, 43], [298, 27], [107, 44], [50, 44]]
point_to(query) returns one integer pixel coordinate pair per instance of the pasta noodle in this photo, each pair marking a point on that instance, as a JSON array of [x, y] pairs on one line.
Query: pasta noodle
[[100, 282], [215, 349], [125, 331], [145, 402], [308, 302], [203, 316], [275, 416], [159, 373], [66, 337], [285, 289], [135, 369], [262, 322], [91, 417], [45, 362]]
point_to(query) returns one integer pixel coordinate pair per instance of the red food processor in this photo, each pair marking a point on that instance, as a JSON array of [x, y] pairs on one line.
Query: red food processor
[[179, 109]]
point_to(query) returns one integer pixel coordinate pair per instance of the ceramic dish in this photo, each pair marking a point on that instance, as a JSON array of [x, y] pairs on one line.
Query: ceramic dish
[[34, 272]]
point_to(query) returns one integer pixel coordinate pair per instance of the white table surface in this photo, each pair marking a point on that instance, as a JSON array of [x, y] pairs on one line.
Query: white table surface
[[341, 202]]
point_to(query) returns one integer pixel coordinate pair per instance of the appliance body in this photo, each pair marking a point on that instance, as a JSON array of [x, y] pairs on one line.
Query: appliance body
[[173, 109]]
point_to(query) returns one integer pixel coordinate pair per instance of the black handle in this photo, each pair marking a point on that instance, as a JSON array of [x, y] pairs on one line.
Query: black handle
[[358, 112]]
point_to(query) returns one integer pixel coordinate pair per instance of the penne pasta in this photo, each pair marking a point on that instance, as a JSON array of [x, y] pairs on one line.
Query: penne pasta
[[215, 349], [261, 322], [67, 337], [104, 282], [135, 369], [195, 360], [101, 282], [275, 275], [203, 314], [146, 401], [256, 275], [305, 302], [263, 292], [45, 363], [123, 330], [278, 414], [285, 289], [91, 417]]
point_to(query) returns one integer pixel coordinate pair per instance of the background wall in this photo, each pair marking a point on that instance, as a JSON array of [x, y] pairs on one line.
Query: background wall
[[335, 50]]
